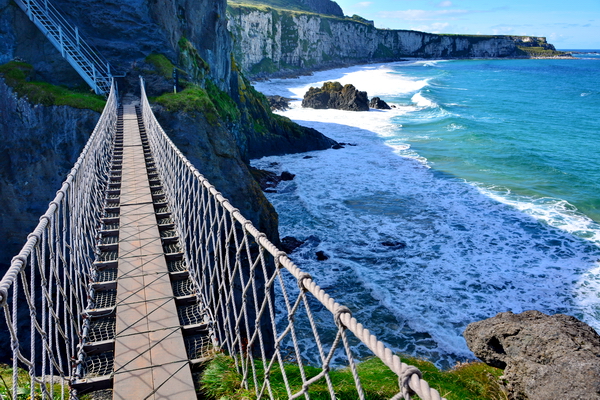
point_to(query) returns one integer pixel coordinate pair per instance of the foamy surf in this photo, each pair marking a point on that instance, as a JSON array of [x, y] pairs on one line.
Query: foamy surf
[[415, 253]]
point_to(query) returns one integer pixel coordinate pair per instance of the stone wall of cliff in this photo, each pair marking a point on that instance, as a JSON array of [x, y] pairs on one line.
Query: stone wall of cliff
[[39, 146], [270, 41], [41, 143]]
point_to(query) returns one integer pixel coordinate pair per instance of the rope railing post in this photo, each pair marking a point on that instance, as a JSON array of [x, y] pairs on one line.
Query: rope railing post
[[256, 295]]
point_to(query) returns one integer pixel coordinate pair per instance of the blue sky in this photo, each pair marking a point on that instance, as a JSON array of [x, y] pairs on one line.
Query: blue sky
[[570, 24]]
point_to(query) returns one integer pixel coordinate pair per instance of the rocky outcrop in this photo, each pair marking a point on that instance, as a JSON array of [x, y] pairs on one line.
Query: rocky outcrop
[[334, 95], [213, 150], [191, 34], [379, 104], [544, 357], [278, 103], [39, 146], [274, 42]]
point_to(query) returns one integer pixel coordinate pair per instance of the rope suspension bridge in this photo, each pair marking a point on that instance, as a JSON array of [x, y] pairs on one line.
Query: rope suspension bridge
[[140, 271]]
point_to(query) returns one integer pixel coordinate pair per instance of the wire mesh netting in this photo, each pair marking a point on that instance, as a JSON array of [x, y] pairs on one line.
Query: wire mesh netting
[[264, 311], [46, 290]]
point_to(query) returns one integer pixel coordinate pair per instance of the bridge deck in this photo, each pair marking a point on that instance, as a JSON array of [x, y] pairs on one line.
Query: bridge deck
[[150, 356]]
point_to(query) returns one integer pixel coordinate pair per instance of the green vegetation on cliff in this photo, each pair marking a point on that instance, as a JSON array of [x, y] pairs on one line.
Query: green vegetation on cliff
[[541, 52], [20, 77], [465, 382]]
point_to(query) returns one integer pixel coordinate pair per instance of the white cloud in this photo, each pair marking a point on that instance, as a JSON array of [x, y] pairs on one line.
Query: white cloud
[[446, 3], [363, 4], [436, 27], [423, 15]]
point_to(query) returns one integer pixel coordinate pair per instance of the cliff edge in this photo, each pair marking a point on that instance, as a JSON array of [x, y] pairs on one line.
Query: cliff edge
[[273, 42]]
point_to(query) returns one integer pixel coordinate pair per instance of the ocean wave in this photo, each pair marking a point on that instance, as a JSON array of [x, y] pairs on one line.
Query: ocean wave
[[422, 101], [468, 251]]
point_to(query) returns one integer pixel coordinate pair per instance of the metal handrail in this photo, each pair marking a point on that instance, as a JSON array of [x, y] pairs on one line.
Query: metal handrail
[[87, 61]]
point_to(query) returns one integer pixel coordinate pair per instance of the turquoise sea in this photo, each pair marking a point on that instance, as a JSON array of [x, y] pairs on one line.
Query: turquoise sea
[[478, 193]]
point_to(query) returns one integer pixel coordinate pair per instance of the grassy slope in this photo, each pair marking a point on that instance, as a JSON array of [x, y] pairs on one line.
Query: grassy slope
[[465, 382], [19, 76]]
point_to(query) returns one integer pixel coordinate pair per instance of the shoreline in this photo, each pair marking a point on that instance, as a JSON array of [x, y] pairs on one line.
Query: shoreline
[[297, 73]]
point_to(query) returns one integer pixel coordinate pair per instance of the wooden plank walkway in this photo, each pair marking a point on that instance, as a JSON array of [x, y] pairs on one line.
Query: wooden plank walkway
[[150, 356]]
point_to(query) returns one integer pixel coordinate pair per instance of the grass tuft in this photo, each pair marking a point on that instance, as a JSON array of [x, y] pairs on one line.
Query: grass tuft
[[190, 100], [19, 76], [467, 381], [162, 64]]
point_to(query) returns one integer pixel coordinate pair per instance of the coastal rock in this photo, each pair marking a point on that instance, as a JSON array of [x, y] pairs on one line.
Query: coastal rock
[[321, 256], [544, 357], [279, 103], [379, 104], [289, 244], [334, 95], [39, 146], [268, 179], [394, 244], [212, 149]]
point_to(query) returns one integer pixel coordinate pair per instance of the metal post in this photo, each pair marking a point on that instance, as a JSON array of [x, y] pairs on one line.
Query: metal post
[[96, 89], [77, 37], [108, 68], [175, 80], [28, 2], [46, 5], [60, 41]]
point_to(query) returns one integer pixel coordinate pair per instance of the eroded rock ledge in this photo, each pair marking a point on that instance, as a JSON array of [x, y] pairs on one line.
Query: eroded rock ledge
[[544, 357]]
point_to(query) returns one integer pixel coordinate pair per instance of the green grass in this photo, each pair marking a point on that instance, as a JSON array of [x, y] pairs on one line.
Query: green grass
[[223, 103], [541, 52], [466, 382], [19, 76], [162, 64], [24, 386], [191, 99]]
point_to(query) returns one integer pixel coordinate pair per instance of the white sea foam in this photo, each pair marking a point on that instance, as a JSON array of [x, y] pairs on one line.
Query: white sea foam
[[421, 101], [470, 252]]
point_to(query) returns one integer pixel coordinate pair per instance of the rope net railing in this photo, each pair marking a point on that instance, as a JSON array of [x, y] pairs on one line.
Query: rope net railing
[[46, 289], [267, 313]]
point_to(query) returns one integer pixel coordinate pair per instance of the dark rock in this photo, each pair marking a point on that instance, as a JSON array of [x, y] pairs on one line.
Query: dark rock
[[286, 176], [334, 95], [379, 104], [337, 146], [394, 244], [347, 144], [279, 103], [544, 357], [307, 157], [268, 180], [39, 146], [212, 149], [321, 256], [289, 244]]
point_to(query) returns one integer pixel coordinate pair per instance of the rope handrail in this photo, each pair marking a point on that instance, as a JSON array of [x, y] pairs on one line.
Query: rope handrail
[[230, 253], [47, 282]]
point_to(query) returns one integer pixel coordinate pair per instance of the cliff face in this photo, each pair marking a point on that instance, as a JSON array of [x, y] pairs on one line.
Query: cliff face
[[39, 146], [269, 41]]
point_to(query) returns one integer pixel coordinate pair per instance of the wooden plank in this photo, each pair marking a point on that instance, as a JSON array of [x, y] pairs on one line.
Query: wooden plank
[[150, 357]]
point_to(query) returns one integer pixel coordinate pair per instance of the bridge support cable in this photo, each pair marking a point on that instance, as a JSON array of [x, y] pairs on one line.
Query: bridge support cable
[[47, 287], [263, 307], [89, 64]]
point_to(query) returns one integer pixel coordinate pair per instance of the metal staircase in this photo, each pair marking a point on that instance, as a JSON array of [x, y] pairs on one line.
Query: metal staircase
[[92, 67]]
